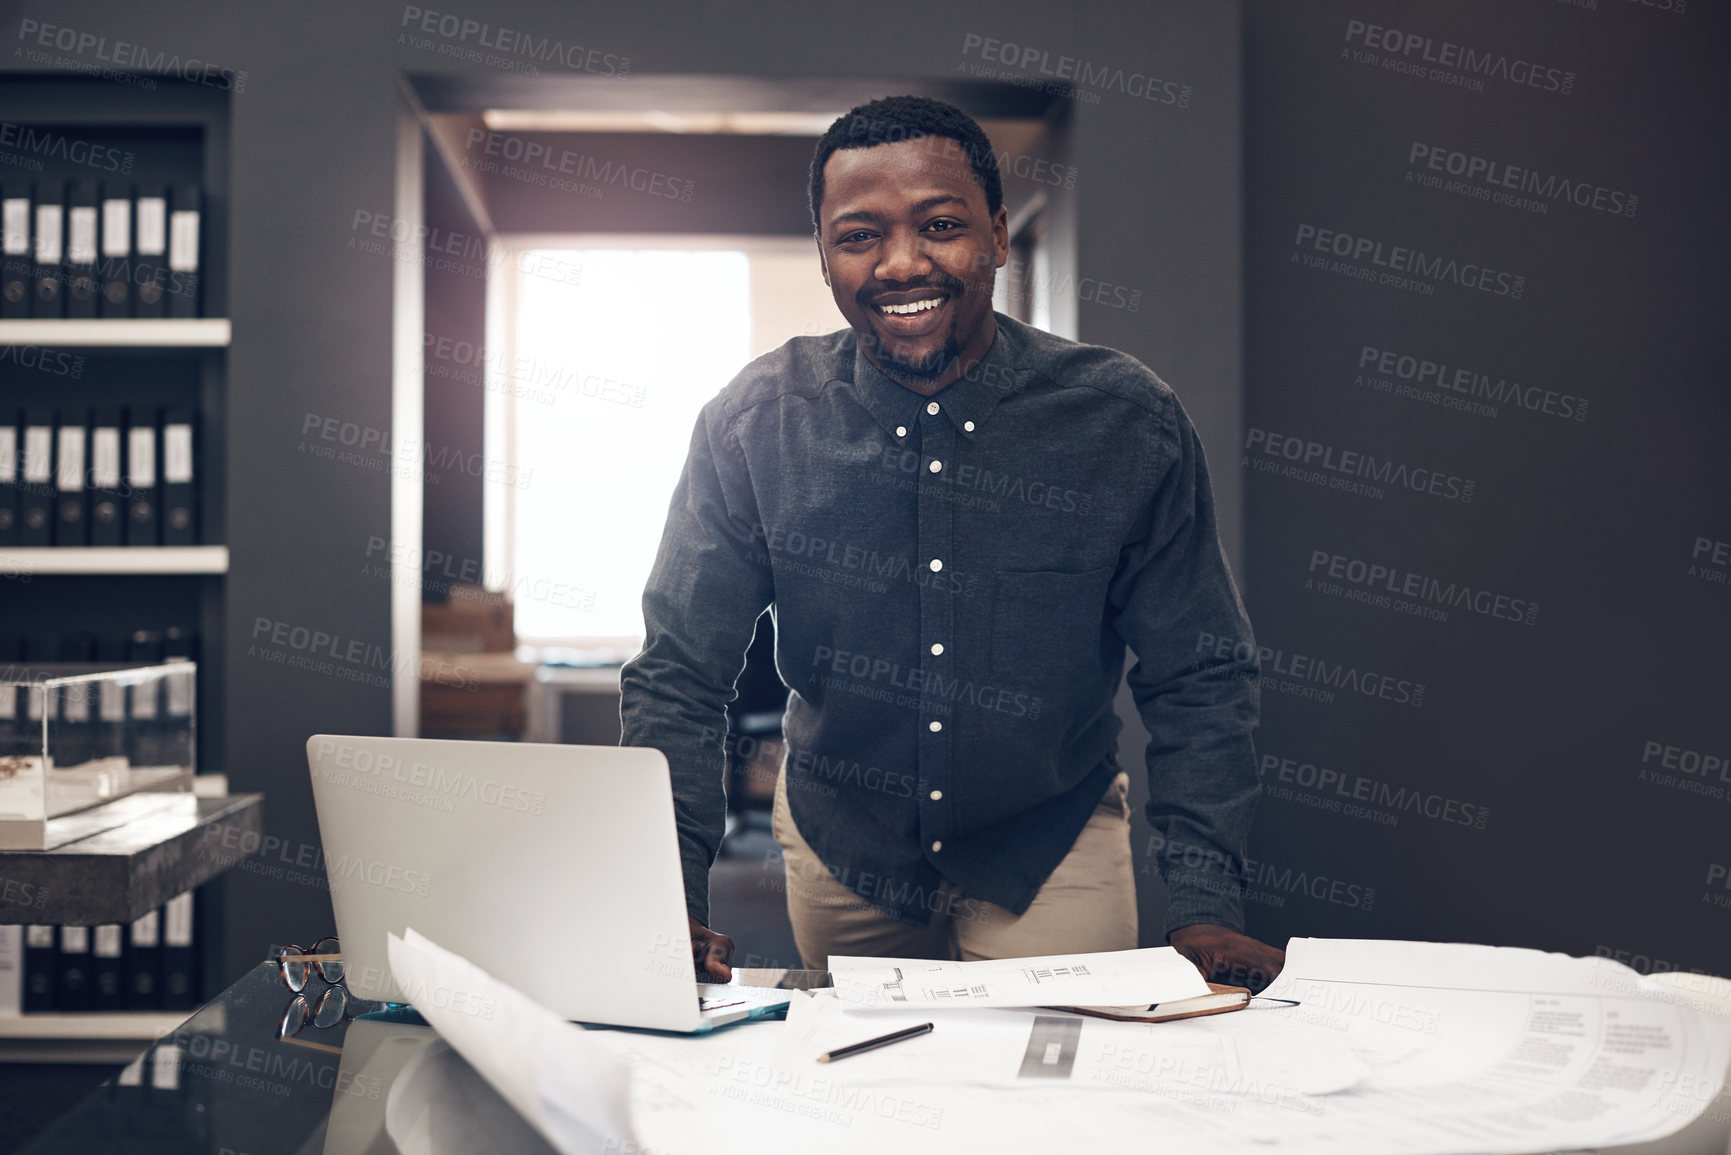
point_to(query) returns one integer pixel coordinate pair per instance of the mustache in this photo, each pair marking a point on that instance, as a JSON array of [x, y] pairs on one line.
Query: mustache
[[943, 282]]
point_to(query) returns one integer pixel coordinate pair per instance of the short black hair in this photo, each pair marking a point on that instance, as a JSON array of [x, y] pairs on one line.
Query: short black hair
[[898, 118]]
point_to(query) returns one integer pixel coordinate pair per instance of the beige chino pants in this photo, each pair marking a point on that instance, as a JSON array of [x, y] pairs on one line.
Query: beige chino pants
[[1088, 904]]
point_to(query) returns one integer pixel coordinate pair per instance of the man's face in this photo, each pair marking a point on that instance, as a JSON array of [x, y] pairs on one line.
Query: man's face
[[909, 250]]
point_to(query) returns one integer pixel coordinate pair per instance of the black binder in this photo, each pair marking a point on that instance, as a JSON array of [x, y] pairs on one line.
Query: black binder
[[179, 485], [183, 230], [36, 487], [10, 465], [47, 273], [108, 967], [179, 964], [83, 219], [71, 461], [15, 259], [72, 970], [38, 969], [150, 252], [143, 518], [107, 502], [144, 962], [115, 273]]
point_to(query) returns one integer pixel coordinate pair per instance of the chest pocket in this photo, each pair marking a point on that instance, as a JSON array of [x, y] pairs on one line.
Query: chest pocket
[[1046, 625]]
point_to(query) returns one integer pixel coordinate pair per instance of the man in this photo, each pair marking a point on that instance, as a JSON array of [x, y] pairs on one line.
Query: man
[[957, 522]]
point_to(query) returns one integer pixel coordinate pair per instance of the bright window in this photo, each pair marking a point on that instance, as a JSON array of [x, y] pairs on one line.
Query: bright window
[[611, 350]]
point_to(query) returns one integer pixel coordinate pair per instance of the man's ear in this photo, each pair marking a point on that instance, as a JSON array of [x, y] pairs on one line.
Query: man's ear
[[1001, 235], [822, 261]]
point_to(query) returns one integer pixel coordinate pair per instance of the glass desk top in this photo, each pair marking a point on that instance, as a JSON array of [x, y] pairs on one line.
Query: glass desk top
[[222, 1083]]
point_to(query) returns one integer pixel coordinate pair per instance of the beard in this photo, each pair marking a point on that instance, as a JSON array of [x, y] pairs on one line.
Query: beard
[[917, 371]]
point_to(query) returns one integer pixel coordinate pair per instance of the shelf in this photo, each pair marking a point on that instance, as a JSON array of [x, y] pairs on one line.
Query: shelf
[[106, 1037], [114, 862], [144, 559], [192, 333], [145, 1025]]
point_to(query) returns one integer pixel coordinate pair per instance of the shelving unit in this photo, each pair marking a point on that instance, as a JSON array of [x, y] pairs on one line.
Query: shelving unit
[[177, 132], [196, 333], [116, 560]]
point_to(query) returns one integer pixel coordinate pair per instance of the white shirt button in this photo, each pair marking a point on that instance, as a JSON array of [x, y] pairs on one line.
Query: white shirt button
[[937, 564], [934, 727], [901, 431], [931, 407], [935, 465], [968, 425], [937, 647], [936, 795], [937, 846]]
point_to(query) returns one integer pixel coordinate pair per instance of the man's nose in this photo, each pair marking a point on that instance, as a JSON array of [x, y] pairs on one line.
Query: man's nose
[[902, 258]]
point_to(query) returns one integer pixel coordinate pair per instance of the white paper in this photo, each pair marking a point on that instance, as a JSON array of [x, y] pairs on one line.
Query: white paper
[[572, 1090], [1493, 1049], [1114, 978], [1256, 1053]]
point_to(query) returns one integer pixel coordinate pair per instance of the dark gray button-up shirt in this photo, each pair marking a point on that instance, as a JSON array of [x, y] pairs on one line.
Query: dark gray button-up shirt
[[953, 581]]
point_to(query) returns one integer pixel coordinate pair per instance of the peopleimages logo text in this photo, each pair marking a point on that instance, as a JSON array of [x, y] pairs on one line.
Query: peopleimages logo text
[[1460, 57], [1315, 455], [1414, 262]]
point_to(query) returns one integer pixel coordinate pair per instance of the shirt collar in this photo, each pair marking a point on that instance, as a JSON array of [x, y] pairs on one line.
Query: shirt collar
[[968, 402]]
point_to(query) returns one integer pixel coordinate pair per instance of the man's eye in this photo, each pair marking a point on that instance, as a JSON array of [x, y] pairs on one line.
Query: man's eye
[[855, 238], [944, 226]]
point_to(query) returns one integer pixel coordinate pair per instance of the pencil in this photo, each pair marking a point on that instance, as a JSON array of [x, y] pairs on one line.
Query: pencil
[[874, 1044]]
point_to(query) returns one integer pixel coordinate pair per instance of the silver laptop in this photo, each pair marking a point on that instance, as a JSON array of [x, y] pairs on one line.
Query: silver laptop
[[553, 868]]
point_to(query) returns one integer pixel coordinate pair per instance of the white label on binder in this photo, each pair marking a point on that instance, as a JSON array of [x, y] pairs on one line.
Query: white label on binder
[[131, 1075], [108, 940], [116, 227], [145, 929], [152, 226], [38, 453], [111, 702], [8, 453], [81, 236], [141, 448], [144, 700], [180, 686], [183, 241], [165, 1067], [15, 220], [77, 699], [176, 453], [8, 702], [71, 475], [104, 457], [41, 937], [39, 700], [48, 220], [11, 971], [177, 920], [74, 939]]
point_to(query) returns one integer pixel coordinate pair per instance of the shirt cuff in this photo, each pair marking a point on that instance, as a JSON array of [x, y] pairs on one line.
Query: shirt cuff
[[1211, 897]]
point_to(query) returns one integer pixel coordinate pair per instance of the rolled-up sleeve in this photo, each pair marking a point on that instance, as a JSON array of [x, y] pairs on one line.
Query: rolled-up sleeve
[[1194, 683], [709, 584]]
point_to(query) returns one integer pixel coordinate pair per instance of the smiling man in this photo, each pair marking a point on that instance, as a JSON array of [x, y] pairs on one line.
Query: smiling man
[[958, 523]]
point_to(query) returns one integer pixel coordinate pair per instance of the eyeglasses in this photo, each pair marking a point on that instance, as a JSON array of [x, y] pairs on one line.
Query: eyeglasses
[[294, 964], [325, 956]]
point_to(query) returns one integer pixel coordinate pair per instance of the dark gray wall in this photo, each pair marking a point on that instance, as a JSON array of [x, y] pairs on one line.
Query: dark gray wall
[[1553, 786], [455, 377], [313, 146]]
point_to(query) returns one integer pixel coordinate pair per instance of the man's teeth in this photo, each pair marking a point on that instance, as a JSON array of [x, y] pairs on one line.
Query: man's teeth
[[912, 307]]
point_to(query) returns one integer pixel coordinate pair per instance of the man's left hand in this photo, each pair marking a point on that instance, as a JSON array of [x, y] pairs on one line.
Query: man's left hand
[[1225, 956]]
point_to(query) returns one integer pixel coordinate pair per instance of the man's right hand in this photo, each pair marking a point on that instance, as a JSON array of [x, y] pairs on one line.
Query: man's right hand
[[712, 952]]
